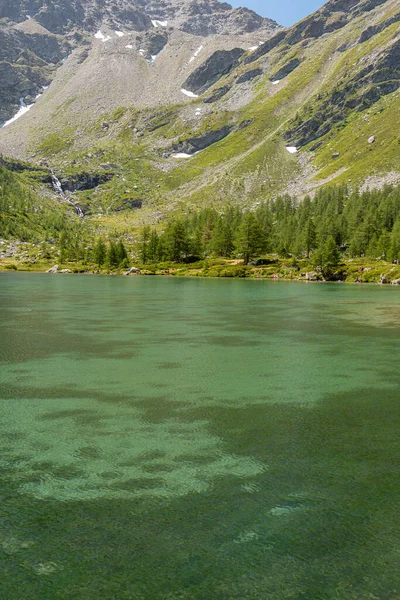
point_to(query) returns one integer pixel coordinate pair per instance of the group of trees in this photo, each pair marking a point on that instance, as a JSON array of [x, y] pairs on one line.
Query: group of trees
[[357, 223], [113, 255]]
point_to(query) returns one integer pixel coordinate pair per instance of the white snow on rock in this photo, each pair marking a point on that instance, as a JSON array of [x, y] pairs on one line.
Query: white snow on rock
[[119, 33], [157, 23], [142, 52], [188, 93], [252, 48], [100, 36], [22, 111], [28, 17], [181, 155], [195, 55], [129, 46], [276, 82], [291, 149]]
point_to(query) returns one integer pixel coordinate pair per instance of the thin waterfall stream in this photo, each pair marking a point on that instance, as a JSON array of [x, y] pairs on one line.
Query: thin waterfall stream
[[59, 189]]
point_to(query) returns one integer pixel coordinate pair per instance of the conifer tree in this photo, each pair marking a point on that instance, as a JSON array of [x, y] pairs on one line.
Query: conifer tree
[[153, 246], [121, 254], [100, 253], [176, 241], [248, 239], [143, 244], [112, 255]]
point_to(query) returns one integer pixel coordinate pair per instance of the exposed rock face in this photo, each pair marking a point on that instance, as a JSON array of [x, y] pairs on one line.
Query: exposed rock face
[[286, 70], [217, 94], [151, 42], [249, 75], [201, 17], [130, 203], [195, 144], [266, 47], [27, 63], [84, 181], [220, 63], [379, 78], [40, 33], [332, 16]]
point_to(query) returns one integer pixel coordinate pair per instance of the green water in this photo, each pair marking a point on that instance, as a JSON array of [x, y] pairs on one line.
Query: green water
[[183, 439]]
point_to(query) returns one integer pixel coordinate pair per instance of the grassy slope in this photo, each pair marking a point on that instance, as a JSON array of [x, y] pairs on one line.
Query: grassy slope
[[28, 211], [248, 165]]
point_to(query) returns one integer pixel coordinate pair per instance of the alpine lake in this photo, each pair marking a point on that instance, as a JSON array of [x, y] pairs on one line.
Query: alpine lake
[[197, 439]]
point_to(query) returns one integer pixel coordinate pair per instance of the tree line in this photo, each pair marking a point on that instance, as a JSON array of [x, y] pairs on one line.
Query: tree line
[[337, 220]]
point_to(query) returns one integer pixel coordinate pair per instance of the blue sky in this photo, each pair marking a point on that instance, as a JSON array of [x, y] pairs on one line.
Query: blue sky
[[286, 12]]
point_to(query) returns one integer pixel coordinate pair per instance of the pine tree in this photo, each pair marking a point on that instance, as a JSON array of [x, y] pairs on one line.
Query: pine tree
[[143, 243], [153, 247], [327, 258], [100, 253], [309, 241], [249, 236], [121, 254], [112, 256], [176, 241]]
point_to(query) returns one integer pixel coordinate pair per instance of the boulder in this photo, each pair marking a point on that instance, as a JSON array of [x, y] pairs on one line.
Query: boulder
[[312, 276], [371, 139], [396, 282], [54, 269]]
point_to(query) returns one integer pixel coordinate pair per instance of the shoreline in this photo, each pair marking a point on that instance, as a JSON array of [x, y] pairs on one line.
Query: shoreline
[[367, 276]]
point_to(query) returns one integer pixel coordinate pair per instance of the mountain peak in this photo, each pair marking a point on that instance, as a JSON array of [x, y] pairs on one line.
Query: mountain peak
[[199, 17]]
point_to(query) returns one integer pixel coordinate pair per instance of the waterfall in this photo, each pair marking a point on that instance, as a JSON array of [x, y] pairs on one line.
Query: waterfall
[[58, 188]]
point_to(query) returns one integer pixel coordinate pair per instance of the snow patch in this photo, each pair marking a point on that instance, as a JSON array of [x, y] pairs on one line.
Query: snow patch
[[252, 48], [142, 52], [119, 33], [157, 23], [181, 155], [100, 36], [188, 93], [276, 82], [28, 17], [291, 149], [22, 111], [195, 55]]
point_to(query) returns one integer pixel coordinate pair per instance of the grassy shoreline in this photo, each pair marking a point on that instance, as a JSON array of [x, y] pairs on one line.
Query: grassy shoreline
[[359, 270]]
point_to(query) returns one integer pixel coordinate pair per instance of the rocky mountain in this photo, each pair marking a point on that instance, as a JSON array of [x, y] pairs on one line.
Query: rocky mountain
[[163, 106]]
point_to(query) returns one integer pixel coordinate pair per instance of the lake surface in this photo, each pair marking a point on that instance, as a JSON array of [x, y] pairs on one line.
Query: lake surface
[[193, 439]]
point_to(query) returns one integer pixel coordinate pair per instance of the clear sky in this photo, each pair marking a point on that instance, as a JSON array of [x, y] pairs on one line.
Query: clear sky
[[286, 12]]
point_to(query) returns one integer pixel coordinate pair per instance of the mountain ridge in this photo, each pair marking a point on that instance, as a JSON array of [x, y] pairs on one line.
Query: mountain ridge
[[179, 121]]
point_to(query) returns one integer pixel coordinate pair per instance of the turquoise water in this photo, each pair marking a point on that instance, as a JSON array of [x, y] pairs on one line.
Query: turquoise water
[[183, 439]]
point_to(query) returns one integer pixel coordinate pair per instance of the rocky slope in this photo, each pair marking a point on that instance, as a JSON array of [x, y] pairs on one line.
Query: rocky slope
[[171, 105]]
